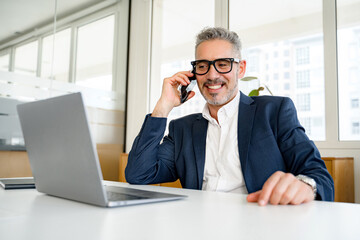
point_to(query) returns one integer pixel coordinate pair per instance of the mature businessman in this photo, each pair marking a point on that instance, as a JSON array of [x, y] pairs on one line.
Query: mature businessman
[[252, 145]]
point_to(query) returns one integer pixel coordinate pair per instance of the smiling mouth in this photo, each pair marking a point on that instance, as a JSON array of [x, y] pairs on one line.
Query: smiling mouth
[[215, 87]]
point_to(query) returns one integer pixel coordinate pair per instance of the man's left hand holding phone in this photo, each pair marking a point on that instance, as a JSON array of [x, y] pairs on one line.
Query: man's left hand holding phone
[[171, 92]]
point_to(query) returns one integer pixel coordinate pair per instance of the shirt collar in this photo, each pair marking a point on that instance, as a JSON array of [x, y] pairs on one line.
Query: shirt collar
[[225, 112]]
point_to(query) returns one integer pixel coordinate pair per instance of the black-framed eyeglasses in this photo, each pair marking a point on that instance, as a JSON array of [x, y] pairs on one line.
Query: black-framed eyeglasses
[[221, 65]]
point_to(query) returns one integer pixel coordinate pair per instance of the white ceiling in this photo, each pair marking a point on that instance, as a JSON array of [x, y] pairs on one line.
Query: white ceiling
[[18, 17]]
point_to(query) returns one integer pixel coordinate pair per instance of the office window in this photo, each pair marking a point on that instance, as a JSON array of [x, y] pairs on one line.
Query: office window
[[355, 128], [355, 103], [287, 86], [253, 64], [286, 64], [26, 58], [353, 52], [276, 76], [286, 75], [175, 25], [303, 102], [348, 39], [303, 79], [94, 55], [354, 73], [306, 123], [294, 29], [276, 65], [318, 122], [85, 31], [4, 62], [61, 49], [302, 55]]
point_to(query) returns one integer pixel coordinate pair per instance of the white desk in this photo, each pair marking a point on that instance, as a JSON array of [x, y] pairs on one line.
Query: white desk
[[27, 214]]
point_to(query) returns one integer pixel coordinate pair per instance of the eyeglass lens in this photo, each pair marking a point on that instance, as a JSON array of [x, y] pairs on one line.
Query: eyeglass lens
[[221, 65]]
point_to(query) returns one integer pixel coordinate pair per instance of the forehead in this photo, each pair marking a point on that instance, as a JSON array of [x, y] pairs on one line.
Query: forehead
[[214, 49]]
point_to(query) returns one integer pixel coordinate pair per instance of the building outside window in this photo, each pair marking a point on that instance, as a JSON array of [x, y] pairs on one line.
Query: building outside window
[[253, 62], [348, 48], [355, 103], [355, 128], [276, 76], [302, 56], [294, 51], [287, 86], [303, 79], [286, 75], [276, 54], [306, 123], [303, 102], [286, 64], [286, 53]]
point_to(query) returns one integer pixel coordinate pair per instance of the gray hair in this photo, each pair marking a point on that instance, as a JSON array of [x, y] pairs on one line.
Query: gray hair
[[212, 33]]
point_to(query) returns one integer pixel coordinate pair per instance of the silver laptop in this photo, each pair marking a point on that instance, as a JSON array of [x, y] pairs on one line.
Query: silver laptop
[[63, 157]]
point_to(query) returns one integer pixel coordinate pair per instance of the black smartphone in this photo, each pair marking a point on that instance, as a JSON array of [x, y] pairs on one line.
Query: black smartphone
[[185, 90]]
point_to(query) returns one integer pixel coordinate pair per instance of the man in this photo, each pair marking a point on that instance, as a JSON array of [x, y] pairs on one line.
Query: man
[[238, 144]]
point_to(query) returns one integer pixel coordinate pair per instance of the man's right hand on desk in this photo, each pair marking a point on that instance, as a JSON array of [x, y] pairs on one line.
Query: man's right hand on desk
[[170, 95], [282, 188]]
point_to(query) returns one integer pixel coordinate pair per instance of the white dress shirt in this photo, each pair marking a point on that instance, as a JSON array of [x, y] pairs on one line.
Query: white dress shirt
[[222, 170]]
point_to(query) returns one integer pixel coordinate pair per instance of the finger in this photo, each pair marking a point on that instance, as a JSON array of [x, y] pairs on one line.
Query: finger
[[268, 188], [187, 73], [304, 194], [297, 199], [185, 76], [281, 187], [176, 80], [289, 194], [253, 197]]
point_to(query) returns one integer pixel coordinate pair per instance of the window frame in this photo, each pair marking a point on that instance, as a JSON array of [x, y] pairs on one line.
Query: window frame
[[6, 52], [74, 22]]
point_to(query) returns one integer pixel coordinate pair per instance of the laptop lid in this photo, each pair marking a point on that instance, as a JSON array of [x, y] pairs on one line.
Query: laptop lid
[[62, 154]]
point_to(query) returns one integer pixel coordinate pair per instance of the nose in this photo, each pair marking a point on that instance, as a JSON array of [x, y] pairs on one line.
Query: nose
[[212, 73]]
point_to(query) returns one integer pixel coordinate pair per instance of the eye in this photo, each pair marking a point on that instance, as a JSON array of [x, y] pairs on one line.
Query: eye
[[223, 63], [201, 65]]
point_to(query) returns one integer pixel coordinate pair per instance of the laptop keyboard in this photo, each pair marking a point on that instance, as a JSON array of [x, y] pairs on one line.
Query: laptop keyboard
[[115, 196]]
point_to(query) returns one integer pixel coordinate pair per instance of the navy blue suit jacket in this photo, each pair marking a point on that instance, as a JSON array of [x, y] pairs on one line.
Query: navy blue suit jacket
[[270, 139]]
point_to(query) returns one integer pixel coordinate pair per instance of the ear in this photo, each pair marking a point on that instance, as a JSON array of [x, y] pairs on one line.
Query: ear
[[242, 69]]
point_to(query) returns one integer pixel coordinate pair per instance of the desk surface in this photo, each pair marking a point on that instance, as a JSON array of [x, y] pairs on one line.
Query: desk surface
[[27, 214]]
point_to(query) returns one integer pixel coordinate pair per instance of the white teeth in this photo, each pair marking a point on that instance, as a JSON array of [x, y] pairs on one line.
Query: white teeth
[[214, 87]]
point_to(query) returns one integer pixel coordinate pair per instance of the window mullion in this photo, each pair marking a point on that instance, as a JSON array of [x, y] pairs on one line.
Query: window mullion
[[39, 58], [73, 49], [331, 72], [222, 13]]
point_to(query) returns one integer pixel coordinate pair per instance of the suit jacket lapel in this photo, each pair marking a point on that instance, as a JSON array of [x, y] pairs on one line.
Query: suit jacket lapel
[[245, 126], [199, 143]]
